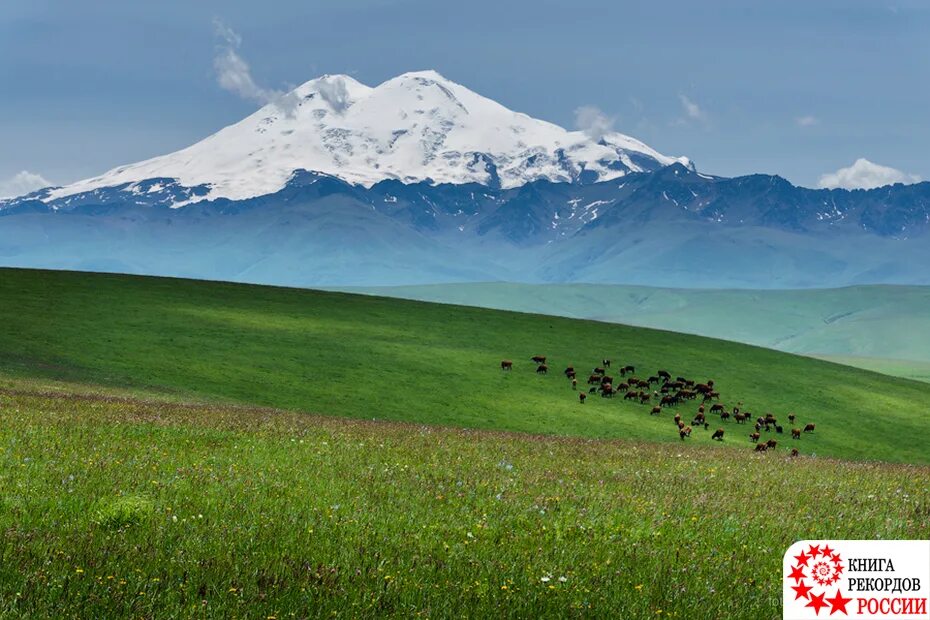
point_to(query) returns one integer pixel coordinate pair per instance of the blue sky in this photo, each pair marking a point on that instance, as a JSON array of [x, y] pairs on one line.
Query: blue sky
[[794, 88]]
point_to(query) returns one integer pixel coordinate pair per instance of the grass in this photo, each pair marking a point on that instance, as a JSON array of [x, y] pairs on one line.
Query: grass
[[878, 327], [112, 506], [368, 357]]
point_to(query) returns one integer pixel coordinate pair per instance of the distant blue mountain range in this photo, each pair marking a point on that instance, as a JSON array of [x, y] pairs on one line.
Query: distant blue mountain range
[[670, 227]]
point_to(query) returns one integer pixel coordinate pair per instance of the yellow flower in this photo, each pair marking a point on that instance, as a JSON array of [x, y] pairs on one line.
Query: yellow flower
[[638, 586]]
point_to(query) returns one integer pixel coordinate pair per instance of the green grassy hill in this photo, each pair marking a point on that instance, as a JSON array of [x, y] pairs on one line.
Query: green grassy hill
[[371, 357], [882, 328]]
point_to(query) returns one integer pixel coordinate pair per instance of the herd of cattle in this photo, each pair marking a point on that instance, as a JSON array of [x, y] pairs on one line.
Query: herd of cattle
[[666, 391]]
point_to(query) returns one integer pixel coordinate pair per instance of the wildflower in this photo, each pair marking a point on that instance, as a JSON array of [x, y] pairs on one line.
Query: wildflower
[[638, 586], [545, 579], [563, 579]]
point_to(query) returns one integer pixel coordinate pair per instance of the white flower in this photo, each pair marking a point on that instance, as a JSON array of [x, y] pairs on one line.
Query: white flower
[[545, 579], [563, 579]]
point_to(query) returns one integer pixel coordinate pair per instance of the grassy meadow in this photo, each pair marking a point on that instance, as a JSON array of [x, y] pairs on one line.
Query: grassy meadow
[[370, 357], [125, 507]]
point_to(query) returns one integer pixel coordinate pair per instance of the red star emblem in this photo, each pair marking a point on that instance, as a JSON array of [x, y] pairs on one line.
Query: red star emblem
[[802, 559], [797, 573], [826, 551], [838, 603], [817, 602], [814, 550], [835, 558], [801, 591]]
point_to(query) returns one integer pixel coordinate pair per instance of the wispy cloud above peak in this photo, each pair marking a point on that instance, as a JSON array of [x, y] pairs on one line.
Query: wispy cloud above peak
[[807, 121], [593, 122], [234, 74]]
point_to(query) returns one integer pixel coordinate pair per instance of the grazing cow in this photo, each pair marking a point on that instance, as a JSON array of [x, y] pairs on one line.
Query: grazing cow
[[677, 418], [754, 437], [571, 375], [644, 397], [681, 380], [718, 434], [761, 447], [791, 417], [668, 401], [656, 410], [630, 368], [725, 415], [506, 365], [740, 418], [652, 379], [574, 384], [717, 408], [684, 432], [771, 443], [681, 425], [664, 374], [539, 359], [542, 369], [701, 409], [795, 433], [809, 428], [622, 371], [698, 419], [607, 390], [770, 419], [581, 397], [794, 452], [623, 386], [594, 379], [760, 421], [605, 363], [569, 370], [592, 390], [607, 379], [631, 395], [599, 371], [779, 429]]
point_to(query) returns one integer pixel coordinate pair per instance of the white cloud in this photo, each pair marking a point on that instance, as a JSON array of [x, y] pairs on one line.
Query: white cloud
[[807, 121], [22, 183], [863, 174], [593, 122], [233, 73], [692, 110]]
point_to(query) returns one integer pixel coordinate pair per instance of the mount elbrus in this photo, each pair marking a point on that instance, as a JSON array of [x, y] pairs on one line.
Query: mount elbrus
[[422, 180]]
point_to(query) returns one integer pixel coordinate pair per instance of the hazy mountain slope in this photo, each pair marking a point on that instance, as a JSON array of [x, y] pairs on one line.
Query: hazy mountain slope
[[886, 328]]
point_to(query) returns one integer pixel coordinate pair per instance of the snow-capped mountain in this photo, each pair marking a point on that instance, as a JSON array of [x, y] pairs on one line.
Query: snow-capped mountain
[[415, 127]]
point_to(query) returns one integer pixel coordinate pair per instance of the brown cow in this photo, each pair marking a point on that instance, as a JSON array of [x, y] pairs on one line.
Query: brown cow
[[542, 369], [754, 437], [740, 417], [791, 417], [631, 395], [644, 397], [725, 415], [771, 443], [795, 433], [681, 424], [794, 452], [656, 410], [581, 397], [594, 379], [506, 365], [539, 359], [809, 428], [664, 374], [684, 432], [761, 447], [630, 368], [718, 434], [698, 419], [569, 370], [677, 418], [574, 384], [598, 371]]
